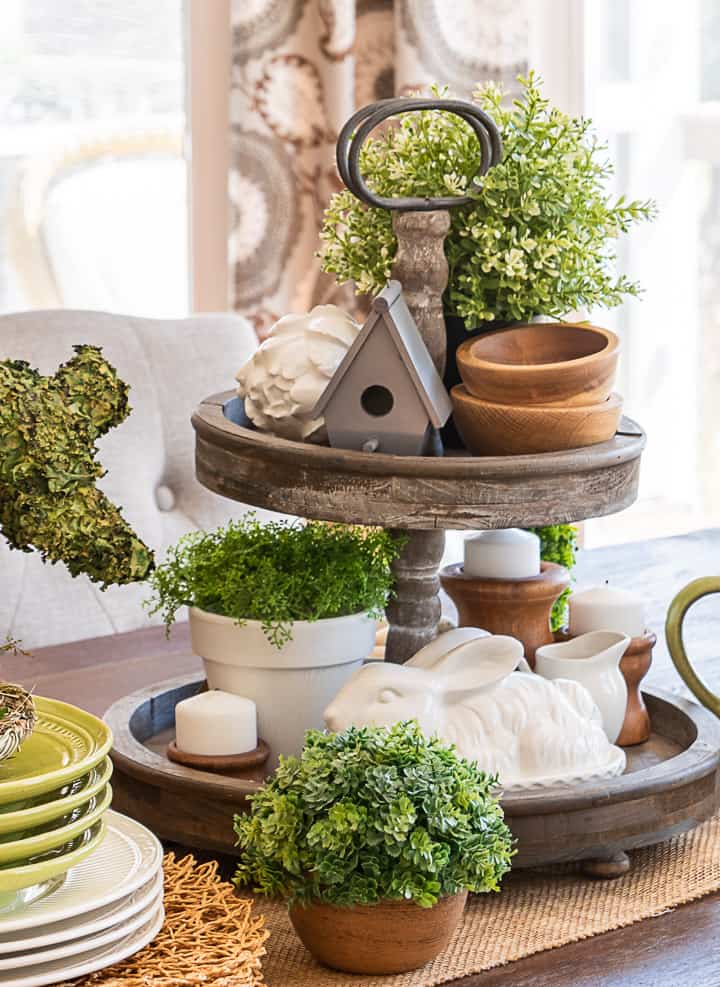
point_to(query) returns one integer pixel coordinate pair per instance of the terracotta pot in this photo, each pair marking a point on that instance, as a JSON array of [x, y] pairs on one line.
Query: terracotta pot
[[514, 430], [390, 937], [552, 363]]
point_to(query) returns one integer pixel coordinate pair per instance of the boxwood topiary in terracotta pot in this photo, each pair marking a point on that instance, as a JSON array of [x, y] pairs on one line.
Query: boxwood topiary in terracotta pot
[[374, 837]]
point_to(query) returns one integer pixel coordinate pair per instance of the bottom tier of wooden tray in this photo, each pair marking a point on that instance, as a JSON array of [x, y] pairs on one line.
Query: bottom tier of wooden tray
[[671, 784]]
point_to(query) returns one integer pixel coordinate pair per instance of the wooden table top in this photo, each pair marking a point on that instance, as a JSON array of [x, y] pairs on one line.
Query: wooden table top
[[680, 947]]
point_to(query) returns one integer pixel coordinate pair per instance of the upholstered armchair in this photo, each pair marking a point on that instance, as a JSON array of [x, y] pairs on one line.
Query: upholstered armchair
[[170, 366]]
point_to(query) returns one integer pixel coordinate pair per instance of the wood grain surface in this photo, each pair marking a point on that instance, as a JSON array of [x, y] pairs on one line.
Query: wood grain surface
[[409, 492], [414, 612], [634, 665], [541, 364], [223, 764], [421, 268], [518, 607], [516, 430]]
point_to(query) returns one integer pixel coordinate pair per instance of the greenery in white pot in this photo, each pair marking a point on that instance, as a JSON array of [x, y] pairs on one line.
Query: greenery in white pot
[[277, 573], [539, 238]]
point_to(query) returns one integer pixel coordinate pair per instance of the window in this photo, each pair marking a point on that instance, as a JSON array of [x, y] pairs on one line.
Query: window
[[650, 81], [93, 183]]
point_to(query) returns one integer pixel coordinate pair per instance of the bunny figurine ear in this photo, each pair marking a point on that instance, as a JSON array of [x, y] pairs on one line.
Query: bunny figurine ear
[[478, 664], [443, 644]]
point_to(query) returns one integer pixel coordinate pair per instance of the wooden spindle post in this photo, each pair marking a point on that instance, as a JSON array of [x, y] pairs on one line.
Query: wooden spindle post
[[422, 270], [414, 614]]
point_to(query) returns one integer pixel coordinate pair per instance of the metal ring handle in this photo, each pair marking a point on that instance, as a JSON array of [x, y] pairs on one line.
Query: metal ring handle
[[355, 132]]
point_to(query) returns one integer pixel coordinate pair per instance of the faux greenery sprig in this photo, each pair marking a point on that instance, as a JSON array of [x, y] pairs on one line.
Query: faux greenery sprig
[[277, 573], [12, 646], [540, 237], [558, 543], [371, 814]]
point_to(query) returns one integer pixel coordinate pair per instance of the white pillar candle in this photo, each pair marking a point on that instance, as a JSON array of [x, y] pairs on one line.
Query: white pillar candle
[[605, 608], [216, 723], [508, 553]]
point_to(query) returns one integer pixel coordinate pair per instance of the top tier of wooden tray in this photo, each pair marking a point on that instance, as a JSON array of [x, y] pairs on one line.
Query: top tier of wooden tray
[[453, 491]]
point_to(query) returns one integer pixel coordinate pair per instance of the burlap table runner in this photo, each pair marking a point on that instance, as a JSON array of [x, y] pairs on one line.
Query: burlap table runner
[[535, 911], [211, 938]]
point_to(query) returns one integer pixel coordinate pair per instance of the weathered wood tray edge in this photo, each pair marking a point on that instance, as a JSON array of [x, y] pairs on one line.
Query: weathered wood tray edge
[[412, 492], [596, 821]]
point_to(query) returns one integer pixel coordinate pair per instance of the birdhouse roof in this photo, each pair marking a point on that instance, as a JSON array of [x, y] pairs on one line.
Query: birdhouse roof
[[389, 310]]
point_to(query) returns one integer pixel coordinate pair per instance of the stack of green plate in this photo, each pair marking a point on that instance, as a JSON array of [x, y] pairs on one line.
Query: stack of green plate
[[53, 795]]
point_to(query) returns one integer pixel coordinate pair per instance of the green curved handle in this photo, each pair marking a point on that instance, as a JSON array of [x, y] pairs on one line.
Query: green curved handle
[[677, 610]]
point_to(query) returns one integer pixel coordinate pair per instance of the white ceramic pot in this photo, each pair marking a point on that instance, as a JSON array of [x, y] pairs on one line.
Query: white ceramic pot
[[593, 660], [291, 686]]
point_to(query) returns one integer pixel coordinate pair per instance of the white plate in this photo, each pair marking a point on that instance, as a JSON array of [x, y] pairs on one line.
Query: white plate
[[84, 963], [85, 943], [126, 859], [84, 925]]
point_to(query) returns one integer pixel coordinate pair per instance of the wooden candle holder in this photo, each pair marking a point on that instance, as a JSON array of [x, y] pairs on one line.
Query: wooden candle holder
[[518, 607], [634, 665], [225, 764]]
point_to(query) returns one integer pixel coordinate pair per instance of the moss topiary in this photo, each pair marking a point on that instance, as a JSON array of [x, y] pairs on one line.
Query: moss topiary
[[48, 498]]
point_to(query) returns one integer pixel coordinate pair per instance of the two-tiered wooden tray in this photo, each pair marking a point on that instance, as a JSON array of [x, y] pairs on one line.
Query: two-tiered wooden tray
[[671, 782], [419, 496]]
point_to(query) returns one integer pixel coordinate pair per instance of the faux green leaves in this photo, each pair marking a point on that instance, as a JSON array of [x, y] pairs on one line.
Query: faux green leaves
[[558, 543], [370, 814], [48, 498], [539, 238], [277, 573]]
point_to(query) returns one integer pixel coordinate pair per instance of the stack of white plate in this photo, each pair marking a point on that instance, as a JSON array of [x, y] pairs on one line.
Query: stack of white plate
[[107, 908]]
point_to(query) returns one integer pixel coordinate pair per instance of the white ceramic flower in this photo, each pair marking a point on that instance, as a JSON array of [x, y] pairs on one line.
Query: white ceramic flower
[[283, 380]]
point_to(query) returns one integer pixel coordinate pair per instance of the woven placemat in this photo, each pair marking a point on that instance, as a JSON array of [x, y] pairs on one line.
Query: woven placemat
[[535, 911], [210, 937]]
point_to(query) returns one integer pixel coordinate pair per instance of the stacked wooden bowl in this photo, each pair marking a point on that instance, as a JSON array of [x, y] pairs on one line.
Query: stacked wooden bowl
[[534, 388]]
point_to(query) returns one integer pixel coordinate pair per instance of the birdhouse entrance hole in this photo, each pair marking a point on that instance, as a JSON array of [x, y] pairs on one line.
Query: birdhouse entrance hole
[[377, 400]]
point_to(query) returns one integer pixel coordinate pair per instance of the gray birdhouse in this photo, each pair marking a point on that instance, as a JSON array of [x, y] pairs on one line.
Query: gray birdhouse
[[386, 395]]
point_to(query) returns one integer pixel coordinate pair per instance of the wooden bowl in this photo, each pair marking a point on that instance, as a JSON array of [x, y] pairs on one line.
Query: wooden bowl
[[555, 363], [489, 429]]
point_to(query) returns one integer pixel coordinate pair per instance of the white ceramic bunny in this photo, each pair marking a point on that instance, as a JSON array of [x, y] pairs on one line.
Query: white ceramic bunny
[[464, 687], [285, 376]]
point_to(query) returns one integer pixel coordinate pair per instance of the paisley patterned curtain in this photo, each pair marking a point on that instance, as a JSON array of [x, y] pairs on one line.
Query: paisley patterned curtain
[[300, 68]]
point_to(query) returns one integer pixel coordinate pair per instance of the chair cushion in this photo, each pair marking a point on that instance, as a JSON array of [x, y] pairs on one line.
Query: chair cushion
[[170, 366]]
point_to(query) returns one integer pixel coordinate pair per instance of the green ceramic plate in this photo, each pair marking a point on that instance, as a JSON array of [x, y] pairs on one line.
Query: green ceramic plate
[[33, 812], [29, 844], [65, 744], [27, 873]]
